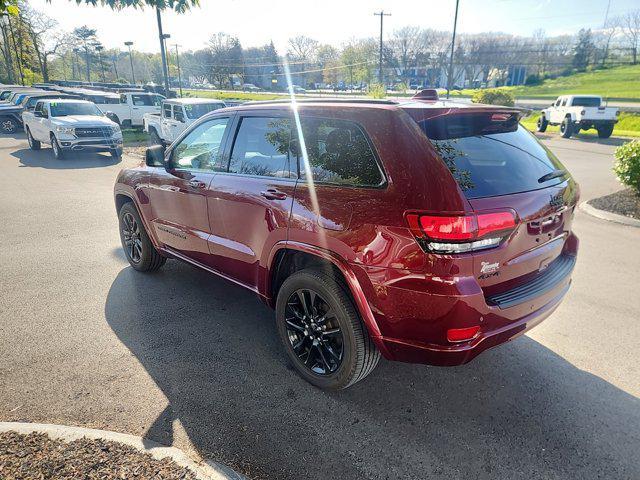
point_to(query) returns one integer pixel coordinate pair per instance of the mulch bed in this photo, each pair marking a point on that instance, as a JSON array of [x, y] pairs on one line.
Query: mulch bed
[[36, 456], [624, 202]]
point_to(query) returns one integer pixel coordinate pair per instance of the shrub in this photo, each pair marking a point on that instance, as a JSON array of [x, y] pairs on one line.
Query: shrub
[[533, 79], [494, 96], [377, 91], [627, 165]]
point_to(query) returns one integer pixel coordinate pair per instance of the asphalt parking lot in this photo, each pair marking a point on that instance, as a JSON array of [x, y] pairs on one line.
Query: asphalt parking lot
[[186, 358]]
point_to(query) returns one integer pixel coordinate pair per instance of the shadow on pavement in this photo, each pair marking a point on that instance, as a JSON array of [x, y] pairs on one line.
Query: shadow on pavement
[[73, 160], [519, 411], [613, 141]]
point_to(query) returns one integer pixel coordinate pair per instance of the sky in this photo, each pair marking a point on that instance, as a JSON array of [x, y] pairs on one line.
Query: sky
[[256, 22]]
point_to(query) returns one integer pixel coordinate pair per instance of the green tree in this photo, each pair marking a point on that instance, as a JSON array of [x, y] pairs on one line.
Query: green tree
[[583, 49]]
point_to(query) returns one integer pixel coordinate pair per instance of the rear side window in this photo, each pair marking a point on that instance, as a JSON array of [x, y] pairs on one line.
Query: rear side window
[[338, 152], [585, 102], [142, 100], [499, 162], [167, 110], [262, 147]]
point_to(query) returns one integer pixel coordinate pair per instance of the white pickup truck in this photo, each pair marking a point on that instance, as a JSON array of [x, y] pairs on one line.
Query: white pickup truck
[[579, 112], [176, 116], [132, 107], [71, 125]]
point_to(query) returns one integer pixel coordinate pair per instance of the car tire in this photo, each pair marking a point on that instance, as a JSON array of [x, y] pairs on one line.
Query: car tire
[[566, 128], [605, 131], [116, 153], [8, 125], [137, 245], [331, 352], [33, 143], [542, 123], [58, 152]]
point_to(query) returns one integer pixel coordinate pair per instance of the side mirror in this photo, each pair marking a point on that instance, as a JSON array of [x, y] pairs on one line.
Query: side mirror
[[154, 156]]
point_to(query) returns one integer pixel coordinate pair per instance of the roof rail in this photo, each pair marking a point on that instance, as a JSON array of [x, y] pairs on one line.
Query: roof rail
[[365, 101]]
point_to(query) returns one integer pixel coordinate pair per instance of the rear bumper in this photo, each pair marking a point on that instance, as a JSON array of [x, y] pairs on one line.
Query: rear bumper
[[414, 312], [459, 354]]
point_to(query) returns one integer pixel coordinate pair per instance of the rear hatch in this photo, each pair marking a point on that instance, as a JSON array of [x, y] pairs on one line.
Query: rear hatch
[[501, 167]]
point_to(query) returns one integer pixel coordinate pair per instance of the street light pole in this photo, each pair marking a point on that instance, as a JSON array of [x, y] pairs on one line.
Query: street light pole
[[133, 75], [453, 46], [380, 73], [178, 65], [165, 37], [163, 53]]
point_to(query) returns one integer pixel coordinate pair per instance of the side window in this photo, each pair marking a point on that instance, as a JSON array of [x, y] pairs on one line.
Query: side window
[[262, 147], [178, 114], [123, 98], [166, 110], [201, 148], [39, 108], [338, 152], [142, 100], [564, 102]]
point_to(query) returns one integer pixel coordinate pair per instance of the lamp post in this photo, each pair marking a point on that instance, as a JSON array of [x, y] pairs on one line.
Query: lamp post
[[453, 46], [133, 75], [163, 52], [165, 37], [178, 65]]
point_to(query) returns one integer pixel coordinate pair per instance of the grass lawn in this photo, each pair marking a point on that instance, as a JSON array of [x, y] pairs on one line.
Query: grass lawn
[[227, 95], [618, 83], [627, 126], [131, 135]]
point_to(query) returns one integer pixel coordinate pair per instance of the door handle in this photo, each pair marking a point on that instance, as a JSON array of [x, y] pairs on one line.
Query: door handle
[[273, 194], [196, 184]]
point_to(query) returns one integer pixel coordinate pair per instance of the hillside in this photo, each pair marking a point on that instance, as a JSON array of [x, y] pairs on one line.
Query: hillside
[[619, 83]]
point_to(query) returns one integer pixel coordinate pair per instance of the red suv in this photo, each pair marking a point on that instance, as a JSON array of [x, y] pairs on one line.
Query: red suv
[[425, 231]]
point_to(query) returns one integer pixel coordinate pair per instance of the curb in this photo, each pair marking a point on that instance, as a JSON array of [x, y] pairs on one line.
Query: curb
[[205, 470], [611, 217]]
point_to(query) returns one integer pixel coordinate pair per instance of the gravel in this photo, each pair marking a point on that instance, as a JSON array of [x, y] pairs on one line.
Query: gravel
[[36, 456], [624, 202]]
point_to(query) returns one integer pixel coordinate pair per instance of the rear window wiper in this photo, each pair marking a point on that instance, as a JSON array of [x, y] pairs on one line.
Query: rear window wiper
[[552, 175]]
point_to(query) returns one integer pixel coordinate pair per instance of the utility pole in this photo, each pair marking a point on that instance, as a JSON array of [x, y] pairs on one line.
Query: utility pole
[[165, 37], [115, 67], [380, 73], [178, 65], [453, 46], [133, 75], [163, 53]]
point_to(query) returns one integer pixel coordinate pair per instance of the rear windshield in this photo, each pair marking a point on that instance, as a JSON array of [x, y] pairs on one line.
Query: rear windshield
[[585, 102], [197, 110], [487, 165]]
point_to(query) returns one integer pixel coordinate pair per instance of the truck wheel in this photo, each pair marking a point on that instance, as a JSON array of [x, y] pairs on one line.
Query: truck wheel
[[605, 131], [322, 332], [542, 123], [58, 152], [33, 143], [136, 244], [8, 125], [566, 128], [155, 138]]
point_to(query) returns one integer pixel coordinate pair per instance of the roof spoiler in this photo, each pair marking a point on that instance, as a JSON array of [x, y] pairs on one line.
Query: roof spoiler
[[426, 94]]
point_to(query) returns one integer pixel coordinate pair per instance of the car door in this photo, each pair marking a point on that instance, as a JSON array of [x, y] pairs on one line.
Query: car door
[[250, 204], [179, 193], [166, 122]]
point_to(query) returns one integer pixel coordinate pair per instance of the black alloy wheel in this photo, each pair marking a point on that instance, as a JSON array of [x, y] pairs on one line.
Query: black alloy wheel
[[314, 332], [132, 237]]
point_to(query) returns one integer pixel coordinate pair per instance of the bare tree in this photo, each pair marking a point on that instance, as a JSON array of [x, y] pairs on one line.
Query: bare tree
[[631, 30]]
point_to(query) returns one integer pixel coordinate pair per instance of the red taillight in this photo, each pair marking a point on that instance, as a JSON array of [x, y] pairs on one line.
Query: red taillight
[[462, 334], [449, 228], [495, 222], [461, 233]]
